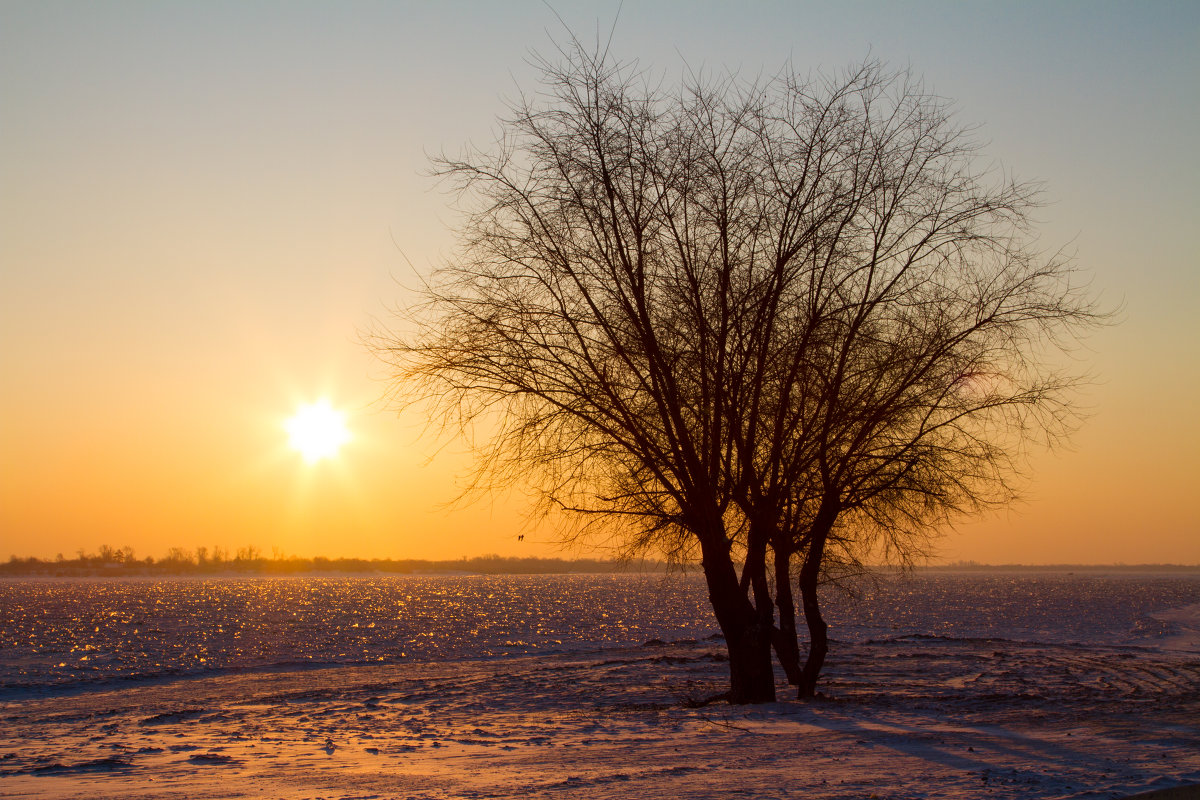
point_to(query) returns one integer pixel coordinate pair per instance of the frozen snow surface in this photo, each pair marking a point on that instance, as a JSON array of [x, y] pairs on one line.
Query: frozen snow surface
[[907, 715]]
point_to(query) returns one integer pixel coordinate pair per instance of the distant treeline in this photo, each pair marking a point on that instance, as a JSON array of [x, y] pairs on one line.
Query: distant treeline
[[118, 562]]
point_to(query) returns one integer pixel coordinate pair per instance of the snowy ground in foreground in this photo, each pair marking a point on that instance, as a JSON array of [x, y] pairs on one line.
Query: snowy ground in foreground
[[906, 718]]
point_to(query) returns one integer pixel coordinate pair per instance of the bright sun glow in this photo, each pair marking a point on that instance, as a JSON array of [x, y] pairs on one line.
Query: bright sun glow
[[317, 431]]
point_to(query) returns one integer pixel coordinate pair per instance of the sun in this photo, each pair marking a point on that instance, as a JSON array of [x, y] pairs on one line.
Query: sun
[[317, 431]]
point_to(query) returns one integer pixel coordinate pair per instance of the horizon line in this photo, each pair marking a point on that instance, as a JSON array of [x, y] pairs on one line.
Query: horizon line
[[257, 557]]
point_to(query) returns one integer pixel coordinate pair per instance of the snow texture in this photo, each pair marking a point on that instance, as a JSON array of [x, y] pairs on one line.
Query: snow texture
[[903, 717]]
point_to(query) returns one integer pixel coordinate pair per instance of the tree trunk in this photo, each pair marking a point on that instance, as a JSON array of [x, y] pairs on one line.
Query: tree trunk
[[810, 576], [787, 648], [751, 678], [748, 641], [819, 632]]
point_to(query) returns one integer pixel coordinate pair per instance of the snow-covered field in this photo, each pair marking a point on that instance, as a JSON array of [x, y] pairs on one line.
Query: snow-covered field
[[912, 715], [905, 719]]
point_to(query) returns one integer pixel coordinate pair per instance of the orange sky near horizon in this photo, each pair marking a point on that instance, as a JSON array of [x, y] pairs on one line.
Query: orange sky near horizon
[[206, 207]]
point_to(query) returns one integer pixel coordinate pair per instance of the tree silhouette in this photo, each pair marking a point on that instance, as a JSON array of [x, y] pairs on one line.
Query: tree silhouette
[[788, 321]]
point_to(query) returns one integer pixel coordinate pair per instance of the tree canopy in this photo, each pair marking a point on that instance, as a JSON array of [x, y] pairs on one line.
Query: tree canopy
[[788, 321]]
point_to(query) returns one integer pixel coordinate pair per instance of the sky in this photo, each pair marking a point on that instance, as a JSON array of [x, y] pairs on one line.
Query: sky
[[203, 206]]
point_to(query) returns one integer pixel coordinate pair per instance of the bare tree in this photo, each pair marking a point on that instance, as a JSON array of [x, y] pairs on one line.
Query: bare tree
[[909, 351], [587, 320], [784, 320]]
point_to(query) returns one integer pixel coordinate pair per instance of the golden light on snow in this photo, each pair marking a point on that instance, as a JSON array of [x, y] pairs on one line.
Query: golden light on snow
[[317, 431]]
